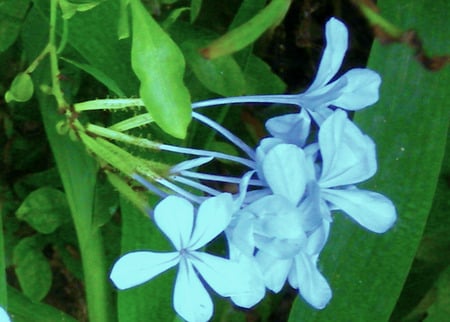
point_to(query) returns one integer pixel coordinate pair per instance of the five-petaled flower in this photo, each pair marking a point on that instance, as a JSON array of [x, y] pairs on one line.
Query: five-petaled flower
[[188, 231]]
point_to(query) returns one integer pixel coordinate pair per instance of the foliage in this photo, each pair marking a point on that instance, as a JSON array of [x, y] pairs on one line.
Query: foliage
[[90, 102]]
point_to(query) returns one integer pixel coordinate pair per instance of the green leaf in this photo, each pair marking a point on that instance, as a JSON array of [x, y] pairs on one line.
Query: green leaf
[[222, 75], [71, 7], [23, 310], [159, 65], [196, 5], [32, 268], [440, 310], [248, 32], [45, 209], [12, 12], [21, 89], [260, 79], [151, 301], [98, 75], [409, 125]]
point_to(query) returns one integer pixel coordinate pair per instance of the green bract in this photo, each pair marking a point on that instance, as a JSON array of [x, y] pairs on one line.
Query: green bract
[[159, 65], [21, 89]]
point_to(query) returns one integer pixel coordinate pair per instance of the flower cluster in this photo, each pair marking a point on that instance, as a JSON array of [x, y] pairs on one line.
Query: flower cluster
[[279, 222]]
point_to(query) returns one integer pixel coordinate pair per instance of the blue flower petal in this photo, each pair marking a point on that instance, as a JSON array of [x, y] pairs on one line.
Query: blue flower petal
[[348, 155], [284, 171], [175, 217], [4, 316], [190, 298], [213, 216], [139, 267], [275, 271], [361, 89], [313, 287], [370, 209], [337, 41], [225, 277], [291, 128]]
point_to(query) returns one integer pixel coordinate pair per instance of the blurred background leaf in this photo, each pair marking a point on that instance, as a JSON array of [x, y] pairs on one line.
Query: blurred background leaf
[[12, 13]]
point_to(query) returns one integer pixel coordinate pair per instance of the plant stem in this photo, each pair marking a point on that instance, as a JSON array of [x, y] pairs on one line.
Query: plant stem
[[3, 296], [78, 173]]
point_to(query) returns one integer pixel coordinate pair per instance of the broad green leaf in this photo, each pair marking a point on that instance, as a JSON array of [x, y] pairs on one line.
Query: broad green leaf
[[409, 125], [32, 268], [32, 181], [12, 12], [159, 65], [429, 262], [21, 89], [45, 209], [440, 310], [151, 301], [248, 32], [260, 79], [23, 310], [222, 76]]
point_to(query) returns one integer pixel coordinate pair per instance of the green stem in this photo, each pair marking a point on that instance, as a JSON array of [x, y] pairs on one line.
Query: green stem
[[55, 73], [78, 173], [3, 296]]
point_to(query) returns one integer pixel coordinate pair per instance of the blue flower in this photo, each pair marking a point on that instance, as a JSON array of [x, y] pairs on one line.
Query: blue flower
[[4, 317], [356, 89], [348, 157], [188, 232]]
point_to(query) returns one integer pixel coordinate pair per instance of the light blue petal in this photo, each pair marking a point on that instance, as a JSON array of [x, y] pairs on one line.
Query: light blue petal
[[360, 91], [348, 155], [291, 128], [275, 271], [4, 316], [370, 209], [318, 239], [284, 171], [213, 216], [226, 277], [276, 217], [190, 298], [175, 217], [313, 209], [337, 40], [240, 233], [249, 264], [139, 267], [313, 287]]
